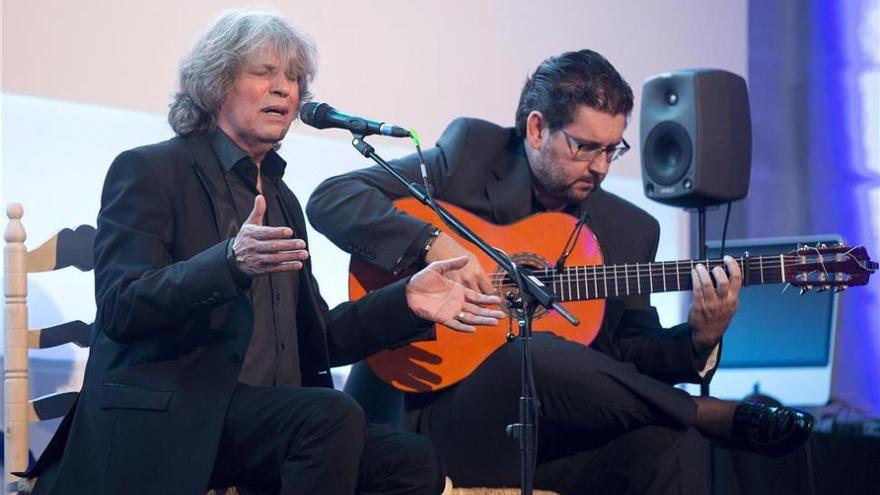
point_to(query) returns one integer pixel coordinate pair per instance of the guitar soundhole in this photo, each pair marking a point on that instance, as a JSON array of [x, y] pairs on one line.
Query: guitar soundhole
[[504, 285]]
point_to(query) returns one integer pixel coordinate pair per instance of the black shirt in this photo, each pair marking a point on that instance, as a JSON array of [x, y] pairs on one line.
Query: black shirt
[[272, 357]]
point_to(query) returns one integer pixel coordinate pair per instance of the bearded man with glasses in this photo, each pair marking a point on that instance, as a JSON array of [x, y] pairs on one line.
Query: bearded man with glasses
[[611, 420]]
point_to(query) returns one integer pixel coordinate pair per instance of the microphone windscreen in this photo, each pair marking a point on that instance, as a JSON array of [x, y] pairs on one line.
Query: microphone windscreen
[[314, 114]]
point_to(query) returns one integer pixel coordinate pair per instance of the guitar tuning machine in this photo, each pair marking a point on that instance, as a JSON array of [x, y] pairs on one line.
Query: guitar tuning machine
[[840, 288]]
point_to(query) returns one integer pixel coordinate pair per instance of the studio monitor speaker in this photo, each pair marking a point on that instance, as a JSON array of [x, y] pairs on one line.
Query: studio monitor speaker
[[696, 138]]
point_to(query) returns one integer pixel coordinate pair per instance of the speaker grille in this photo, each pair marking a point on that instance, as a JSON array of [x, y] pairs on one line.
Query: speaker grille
[[668, 152]]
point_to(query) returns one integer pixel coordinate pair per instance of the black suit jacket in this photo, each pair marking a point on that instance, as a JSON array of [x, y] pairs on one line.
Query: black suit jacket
[[483, 168], [173, 325]]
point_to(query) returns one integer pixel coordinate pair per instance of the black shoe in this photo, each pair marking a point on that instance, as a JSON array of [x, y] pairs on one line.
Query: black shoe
[[769, 430]]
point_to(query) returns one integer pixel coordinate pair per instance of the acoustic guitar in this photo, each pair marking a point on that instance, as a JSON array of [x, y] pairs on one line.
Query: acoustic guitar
[[583, 284]]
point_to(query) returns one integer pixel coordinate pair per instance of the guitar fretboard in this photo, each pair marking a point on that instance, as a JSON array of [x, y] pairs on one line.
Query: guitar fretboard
[[578, 283]]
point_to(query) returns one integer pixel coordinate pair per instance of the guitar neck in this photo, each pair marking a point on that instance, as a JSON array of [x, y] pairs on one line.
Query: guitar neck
[[577, 283]]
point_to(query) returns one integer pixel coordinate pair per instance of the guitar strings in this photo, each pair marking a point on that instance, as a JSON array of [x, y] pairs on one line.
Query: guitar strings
[[629, 283], [651, 271], [669, 268], [765, 263], [679, 279]]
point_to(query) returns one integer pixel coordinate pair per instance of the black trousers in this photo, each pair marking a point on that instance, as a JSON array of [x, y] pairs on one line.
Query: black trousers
[[314, 440], [311, 441], [604, 427]]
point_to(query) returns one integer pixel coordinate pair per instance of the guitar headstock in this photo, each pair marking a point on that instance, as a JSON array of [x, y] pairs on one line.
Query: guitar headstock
[[823, 267]]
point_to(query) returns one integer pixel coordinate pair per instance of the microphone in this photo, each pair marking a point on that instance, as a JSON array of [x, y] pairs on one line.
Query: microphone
[[322, 116]]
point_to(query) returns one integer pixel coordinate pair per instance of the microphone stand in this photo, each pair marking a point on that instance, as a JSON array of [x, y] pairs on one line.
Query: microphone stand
[[704, 385], [531, 294]]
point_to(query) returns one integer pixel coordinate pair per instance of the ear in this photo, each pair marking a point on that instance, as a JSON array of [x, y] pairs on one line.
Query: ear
[[534, 129]]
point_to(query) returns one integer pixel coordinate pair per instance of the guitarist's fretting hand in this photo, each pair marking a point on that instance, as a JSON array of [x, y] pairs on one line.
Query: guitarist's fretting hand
[[433, 296], [713, 305], [471, 275]]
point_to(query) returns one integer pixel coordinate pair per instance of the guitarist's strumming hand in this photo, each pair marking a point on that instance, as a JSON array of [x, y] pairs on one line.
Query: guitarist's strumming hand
[[471, 275], [433, 296], [714, 304]]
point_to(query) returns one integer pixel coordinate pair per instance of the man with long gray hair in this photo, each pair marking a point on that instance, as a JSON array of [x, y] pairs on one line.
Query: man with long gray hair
[[210, 362]]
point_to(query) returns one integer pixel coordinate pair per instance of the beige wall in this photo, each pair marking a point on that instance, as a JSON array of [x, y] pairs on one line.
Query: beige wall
[[415, 63]]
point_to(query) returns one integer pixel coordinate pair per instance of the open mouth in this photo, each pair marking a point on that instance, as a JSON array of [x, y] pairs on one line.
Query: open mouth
[[279, 111]]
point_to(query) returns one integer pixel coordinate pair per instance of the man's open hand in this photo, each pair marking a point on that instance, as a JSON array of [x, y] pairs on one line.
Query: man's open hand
[[433, 296], [260, 250]]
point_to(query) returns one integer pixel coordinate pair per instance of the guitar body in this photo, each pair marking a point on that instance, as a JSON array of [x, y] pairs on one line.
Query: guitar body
[[537, 242]]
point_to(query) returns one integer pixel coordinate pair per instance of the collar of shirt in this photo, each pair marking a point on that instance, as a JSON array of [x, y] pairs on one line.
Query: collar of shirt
[[234, 158]]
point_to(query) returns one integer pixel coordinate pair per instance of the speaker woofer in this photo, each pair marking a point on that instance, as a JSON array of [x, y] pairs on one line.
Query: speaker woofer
[[668, 153]]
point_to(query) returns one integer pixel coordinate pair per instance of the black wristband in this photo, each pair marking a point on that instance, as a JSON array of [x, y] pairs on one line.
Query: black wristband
[[430, 242]]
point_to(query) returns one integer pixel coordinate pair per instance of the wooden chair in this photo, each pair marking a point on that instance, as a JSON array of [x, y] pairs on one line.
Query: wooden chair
[[65, 248]]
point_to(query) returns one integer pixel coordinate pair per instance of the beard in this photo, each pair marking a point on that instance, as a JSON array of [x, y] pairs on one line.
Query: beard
[[553, 175]]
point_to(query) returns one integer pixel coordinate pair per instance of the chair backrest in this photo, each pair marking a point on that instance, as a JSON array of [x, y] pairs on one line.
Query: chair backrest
[[65, 248]]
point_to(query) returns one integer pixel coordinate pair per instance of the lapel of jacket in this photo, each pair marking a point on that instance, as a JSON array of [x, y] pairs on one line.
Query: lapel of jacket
[[206, 165], [510, 195], [208, 170]]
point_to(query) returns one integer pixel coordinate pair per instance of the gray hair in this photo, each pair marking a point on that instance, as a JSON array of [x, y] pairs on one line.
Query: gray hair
[[208, 72]]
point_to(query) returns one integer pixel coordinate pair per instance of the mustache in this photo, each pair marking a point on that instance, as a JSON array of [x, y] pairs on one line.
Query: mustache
[[592, 178]]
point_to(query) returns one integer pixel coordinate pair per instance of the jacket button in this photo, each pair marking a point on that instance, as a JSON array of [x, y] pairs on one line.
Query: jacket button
[[236, 357]]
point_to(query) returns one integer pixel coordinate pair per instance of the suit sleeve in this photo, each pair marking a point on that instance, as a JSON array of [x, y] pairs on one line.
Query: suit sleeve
[[355, 210], [664, 353], [140, 289], [352, 332]]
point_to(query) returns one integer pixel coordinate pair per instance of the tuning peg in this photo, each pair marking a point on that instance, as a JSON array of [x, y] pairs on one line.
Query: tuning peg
[[823, 288], [840, 288], [806, 289]]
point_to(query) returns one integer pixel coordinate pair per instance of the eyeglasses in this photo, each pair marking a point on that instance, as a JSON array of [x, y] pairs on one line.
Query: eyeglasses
[[587, 152]]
